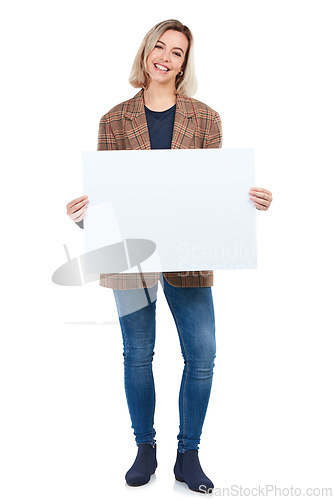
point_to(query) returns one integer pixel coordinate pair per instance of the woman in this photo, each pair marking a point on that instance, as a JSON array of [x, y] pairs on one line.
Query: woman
[[162, 115]]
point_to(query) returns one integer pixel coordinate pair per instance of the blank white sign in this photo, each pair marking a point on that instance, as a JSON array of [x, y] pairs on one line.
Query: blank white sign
[[193, 204]]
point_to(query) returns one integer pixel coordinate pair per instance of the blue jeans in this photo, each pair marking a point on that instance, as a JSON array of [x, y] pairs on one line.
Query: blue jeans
[[193, 312]]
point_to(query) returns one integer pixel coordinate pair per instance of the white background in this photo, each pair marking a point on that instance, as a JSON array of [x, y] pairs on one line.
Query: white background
[[265, 66]]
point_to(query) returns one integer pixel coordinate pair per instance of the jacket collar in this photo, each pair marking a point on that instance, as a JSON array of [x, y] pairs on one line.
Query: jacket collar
[[136, 106], [136, 127]]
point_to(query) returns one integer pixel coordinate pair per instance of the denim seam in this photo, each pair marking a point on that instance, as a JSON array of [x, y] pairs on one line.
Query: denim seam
[[187, 361], [126, 352]]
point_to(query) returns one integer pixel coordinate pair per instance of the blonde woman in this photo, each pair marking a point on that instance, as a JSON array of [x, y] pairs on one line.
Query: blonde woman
[[162, 115]]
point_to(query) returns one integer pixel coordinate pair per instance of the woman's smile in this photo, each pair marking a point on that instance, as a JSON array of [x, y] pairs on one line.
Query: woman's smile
[[161, 68]]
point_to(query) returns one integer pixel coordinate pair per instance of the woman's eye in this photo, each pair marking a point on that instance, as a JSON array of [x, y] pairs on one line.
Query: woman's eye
[[159, 47]]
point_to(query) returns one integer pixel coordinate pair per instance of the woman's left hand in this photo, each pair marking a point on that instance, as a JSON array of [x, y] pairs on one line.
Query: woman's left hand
[[262, 198]]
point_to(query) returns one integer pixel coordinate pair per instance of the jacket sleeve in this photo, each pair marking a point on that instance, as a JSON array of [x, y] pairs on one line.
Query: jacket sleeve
[[214, 139], [106, 140]]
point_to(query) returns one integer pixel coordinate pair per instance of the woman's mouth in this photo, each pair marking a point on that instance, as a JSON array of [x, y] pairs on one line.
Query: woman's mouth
[[160, 68]]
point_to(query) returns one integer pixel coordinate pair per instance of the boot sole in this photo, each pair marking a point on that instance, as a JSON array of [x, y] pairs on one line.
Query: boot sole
[[182, 481]]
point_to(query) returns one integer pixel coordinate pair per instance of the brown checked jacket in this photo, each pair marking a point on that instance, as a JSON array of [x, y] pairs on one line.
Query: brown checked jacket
[[196, 125]]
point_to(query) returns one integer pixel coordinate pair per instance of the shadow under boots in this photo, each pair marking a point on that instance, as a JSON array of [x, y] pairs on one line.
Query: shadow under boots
[[144, 465]]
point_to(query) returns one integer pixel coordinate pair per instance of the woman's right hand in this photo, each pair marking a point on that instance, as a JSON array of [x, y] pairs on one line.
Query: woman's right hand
[[77, 209]]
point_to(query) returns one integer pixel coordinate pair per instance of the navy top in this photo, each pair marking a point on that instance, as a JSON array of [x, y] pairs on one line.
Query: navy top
[[160, 127]]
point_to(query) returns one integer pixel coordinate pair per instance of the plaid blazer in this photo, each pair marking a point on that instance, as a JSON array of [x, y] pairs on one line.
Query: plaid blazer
[[196, 125]]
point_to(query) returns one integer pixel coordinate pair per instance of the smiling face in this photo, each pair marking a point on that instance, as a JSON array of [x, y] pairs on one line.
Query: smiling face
[[166, 59]]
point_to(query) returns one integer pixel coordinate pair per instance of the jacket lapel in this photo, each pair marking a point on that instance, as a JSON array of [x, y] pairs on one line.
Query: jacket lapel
[[136, 127]]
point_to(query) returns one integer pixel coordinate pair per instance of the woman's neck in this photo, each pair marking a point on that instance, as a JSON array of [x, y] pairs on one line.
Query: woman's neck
[[159, 98]]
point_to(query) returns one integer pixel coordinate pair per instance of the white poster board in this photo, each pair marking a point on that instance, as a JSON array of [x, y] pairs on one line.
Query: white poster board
[[175, 209]]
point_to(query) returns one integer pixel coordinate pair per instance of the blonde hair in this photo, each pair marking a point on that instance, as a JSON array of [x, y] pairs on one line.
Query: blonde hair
[[186, 84]]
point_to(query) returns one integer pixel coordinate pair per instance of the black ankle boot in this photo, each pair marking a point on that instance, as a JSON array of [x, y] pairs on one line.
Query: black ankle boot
[[144, 465], [188, 470]]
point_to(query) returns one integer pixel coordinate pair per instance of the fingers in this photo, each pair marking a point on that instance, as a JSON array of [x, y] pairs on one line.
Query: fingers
[[260, 201], [261, 189], [77, 209], [261, 194], [261, 197], [260, 207], [77, 200], [75, 205], [261, 204], [77, 216]]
